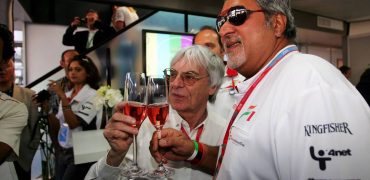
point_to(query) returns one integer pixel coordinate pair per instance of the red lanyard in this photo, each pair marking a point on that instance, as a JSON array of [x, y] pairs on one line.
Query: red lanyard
[[279, 57], [199, 132]]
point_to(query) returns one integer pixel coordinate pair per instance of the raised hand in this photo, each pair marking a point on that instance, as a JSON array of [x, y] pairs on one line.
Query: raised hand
[[76, 21], [119, 134], [55, 87], [173, 145]]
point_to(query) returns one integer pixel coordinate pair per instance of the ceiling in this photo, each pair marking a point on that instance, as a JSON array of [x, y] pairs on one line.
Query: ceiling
[[50, 11], [62, 11], [346, 10]]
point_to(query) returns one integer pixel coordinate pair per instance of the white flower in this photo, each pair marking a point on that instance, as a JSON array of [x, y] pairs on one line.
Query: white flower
[[113, 96], [107, 97]]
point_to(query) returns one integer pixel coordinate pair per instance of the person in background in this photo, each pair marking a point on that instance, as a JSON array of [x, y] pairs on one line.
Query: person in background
[[76, 113], [346, 71], [30, 137], [63, 82], [82, 40], [363, 85], [225, 99], [194, 77], [53, 103], [299, 117], [13, 114], [123, 16]]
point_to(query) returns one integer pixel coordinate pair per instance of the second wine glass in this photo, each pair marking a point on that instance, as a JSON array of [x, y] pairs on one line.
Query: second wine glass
[[135, 106], [157, 110]]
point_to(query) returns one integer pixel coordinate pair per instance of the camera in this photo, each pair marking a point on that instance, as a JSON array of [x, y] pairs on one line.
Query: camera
[[42, 96], [83, 20]]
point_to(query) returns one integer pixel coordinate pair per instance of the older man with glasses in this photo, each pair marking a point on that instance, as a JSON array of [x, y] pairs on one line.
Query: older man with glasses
[[298, 117], [194, 77]]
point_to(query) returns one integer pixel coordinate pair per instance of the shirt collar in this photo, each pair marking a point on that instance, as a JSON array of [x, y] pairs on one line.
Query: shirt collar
[[82, 95], [10, 91], [182, 122]]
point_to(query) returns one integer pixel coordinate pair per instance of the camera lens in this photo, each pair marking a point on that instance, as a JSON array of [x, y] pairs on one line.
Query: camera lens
[[83, 20]]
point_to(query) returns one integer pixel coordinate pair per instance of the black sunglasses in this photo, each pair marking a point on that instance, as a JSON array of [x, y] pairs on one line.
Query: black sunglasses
[[236, 16]]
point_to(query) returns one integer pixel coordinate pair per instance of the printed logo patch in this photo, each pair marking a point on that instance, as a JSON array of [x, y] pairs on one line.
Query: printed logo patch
[[326, 155], [313, 129], [250, 113]]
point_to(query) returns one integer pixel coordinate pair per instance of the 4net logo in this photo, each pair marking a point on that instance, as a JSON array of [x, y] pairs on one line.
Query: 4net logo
[[323, 156]]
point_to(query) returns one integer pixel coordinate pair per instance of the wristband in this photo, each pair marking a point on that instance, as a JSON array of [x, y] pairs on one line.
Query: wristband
[[199, 155], [196, 149]]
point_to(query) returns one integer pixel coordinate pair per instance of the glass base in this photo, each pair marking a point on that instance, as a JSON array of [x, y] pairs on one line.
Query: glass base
[[133, 172], [161, 172]]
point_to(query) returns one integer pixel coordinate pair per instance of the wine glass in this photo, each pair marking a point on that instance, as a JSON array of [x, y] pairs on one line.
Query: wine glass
[[135, 106], [157, 110]]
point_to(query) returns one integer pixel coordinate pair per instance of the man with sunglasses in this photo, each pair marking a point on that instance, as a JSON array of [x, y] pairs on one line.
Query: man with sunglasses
[[299, 118], [194, 76]]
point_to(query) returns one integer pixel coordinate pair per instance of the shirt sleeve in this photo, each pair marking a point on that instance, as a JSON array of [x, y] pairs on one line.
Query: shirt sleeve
[[86, 111], [102, 170], [12, 121]]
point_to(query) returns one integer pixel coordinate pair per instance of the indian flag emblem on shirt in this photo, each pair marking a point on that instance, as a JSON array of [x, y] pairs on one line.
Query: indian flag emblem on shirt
[[250, 113]]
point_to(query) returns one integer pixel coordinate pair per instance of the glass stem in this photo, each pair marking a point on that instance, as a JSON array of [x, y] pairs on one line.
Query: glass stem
[[160, 165], [135, 166]]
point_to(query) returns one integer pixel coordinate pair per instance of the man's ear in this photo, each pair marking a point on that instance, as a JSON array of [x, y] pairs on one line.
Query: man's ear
[[279, 24], [61, 63], [212, 90]]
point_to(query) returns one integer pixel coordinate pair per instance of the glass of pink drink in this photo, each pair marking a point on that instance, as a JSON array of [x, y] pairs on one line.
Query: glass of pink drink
[[157, 111]]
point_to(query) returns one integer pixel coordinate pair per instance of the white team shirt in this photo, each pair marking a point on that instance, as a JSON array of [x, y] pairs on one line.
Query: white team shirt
[[308, 122], [213, 132], [226, 101], [82, 106], [125, 14]]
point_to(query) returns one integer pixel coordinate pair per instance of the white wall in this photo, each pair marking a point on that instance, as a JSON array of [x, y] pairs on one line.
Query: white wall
[[330, 54], [43, 49], [359, 29], [359, 56], [359, 49]]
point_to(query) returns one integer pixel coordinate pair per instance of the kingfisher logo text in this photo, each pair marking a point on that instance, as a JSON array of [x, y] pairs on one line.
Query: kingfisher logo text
[[250, 113], [343, 127], [326, 155]]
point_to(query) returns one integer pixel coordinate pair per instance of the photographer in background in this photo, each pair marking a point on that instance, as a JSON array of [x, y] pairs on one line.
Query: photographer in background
[[97, 32], [30, 136]]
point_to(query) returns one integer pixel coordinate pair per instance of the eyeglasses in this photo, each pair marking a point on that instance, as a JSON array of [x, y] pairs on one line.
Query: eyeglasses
[[236, 15], [189, 78]]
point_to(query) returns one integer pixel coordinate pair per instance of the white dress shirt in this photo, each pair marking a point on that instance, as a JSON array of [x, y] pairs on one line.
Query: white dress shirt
[[213, 132]]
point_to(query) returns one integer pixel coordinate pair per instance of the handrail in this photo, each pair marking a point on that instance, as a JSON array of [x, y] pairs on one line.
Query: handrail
[[57, 69], [45, 76]]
